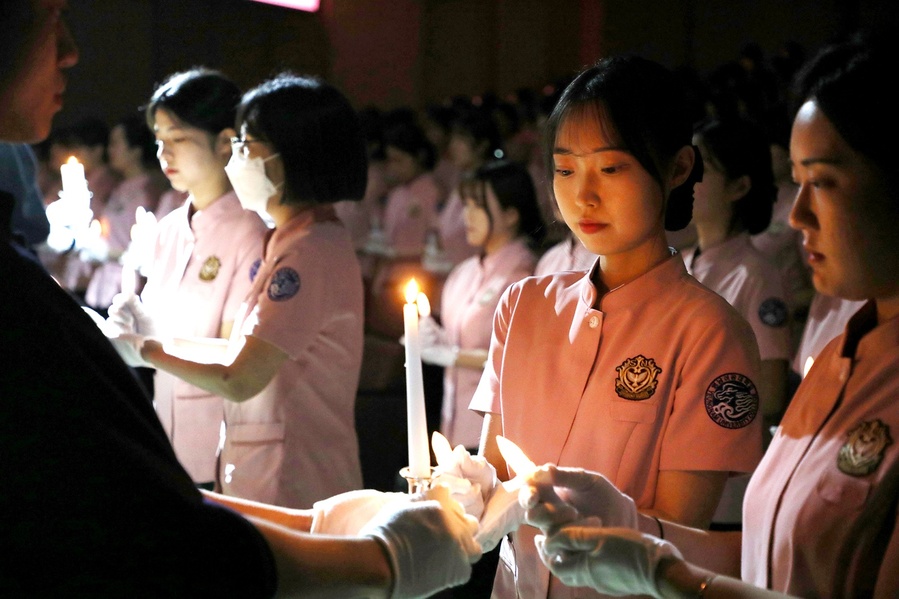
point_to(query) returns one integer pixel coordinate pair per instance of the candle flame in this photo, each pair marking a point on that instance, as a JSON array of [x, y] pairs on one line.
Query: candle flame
[[411, 291], [72, 160], [424, 306]]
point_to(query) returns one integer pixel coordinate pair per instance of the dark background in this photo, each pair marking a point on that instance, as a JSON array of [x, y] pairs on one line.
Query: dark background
[[391, 53]]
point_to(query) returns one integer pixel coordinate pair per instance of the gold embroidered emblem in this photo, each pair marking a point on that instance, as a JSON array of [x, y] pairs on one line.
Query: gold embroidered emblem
[[210, 268], [863, 451], [637, 378]]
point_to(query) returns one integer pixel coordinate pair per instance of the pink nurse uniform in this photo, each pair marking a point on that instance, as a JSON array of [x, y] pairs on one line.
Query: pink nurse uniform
[[295, 442], [827, 317], [659, 376], [117, 219], [410, 213], [820, 513], [470, 296], [200, 275]]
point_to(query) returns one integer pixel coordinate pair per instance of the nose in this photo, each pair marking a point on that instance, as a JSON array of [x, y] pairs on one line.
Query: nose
[[587, 190], [801, 215], [66, 49], [161, 152]]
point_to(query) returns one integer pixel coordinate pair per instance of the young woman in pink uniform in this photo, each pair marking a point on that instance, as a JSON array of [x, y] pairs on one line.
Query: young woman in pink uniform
[[205, 251], [820, 511], [131, 156], [733, 201], [296, 347], [502, 219], [630, 366]]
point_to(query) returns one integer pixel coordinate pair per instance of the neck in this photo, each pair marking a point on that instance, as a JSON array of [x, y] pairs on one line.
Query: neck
[[204, 195], [282, 213], [496, 242], [617, 269], [133, 170], [887, 309], [711, 234]]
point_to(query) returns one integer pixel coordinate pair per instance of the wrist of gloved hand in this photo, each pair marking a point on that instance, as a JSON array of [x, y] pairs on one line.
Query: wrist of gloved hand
[[612, 561], [554, 496], [440, 355], [128, 346], [429, 542], [345, 514]]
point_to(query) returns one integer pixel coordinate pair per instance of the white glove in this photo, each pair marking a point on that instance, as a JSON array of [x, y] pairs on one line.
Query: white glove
[[65, 218], [92, 246], [440, 355], [473, 483], [470, 479], [429, 541], [612, 561], [554, 496], [127, 313], [128, 345], [347, 513]]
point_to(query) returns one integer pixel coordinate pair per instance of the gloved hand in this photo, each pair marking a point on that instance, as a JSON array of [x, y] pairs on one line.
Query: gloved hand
[[129, 345], [92, 245], [473, 483], [431, 333], [440, 355], [612, 561], [429, 541], [470, 479], [66, 218], [554, 496], [127, 313], [347, 513]]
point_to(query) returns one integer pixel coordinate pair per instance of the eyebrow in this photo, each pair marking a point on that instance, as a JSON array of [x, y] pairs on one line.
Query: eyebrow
[[813, 160], [567, 152]]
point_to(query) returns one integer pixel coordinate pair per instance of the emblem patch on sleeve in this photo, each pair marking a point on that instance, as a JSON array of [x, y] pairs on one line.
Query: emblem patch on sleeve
[[863, 451], [637, 378], [732, 401], [773, 312], [285, 284], [210, 269], [254, 269]]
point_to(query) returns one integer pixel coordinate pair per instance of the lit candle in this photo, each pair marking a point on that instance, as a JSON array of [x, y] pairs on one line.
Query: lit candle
[[416, 423], [73, 180]]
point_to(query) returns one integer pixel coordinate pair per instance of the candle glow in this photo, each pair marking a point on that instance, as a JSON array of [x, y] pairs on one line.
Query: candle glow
[[419, 453]]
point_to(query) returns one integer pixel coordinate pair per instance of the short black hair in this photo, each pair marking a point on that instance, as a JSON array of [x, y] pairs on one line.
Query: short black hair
[[200, 97], [643, 106], [514, 188], [738, 147], [139, 135], [408, 137], [478, 125], [317, 133], [846, 81]]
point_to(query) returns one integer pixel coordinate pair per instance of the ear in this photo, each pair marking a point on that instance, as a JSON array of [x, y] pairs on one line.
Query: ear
[[683, 165], [223, 142], [739, 187]]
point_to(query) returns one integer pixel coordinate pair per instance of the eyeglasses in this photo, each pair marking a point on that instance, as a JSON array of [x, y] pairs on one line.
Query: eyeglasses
[[239, 144]]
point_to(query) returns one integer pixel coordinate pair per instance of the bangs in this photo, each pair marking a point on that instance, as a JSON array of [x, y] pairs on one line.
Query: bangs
[[586, 117]]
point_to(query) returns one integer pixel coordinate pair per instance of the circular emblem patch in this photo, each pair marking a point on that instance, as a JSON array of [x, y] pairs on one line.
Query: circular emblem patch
[[732, 400], [285, 284], [254, 269], [210, 268], [773, 312], [637, 378], [863, 451]]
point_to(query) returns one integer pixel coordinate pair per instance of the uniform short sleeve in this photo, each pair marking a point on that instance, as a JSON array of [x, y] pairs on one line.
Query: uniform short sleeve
[[486, 397]]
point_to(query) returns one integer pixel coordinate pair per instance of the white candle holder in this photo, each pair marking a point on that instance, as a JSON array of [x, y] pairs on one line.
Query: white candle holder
[[417, 484]]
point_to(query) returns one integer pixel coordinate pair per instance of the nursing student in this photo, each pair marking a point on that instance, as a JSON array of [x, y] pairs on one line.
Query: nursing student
[[631, 366], [502, 219], [295, 350], [820, 511], [205, 253], [733, 201]]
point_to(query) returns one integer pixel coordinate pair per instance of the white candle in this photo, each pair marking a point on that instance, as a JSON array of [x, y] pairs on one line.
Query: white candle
[[129, 280], [73, 180], [416, 423]]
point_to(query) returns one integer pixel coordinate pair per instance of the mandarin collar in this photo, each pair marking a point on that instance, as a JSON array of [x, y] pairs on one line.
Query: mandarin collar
[[864, 333], [226, 205], [647, 287], [298, 225]]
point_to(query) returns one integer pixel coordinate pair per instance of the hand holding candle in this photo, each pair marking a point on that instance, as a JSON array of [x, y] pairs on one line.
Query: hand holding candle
[[419, 453]]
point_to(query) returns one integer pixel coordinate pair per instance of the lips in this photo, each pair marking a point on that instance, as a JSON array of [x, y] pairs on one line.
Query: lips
[[589, 226]]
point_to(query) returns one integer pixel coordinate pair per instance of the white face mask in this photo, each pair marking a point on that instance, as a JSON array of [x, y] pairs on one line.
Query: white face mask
[[251, 184]]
